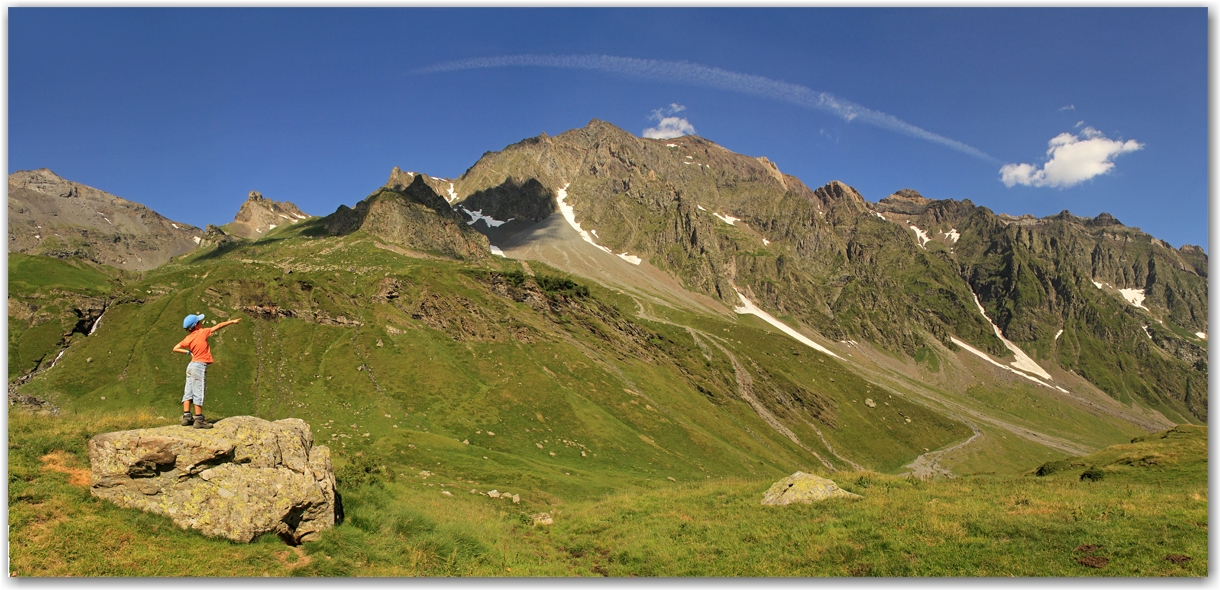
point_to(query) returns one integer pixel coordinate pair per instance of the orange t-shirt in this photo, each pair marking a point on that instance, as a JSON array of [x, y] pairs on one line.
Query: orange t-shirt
[[197, 343]]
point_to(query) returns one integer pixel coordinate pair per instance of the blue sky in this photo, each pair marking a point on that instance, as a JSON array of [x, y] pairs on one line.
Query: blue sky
[[187, 110]]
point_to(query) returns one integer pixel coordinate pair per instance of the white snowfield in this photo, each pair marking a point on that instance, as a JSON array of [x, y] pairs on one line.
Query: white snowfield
[[729, 219], [1134, 297], [766, 242], [1058, 334], [984, 356], [271, 226], [922, 235], [497, 251], [452, 195], [569, 214], [197, 240], [701, 207], [1147, 332], [874, 213], [671, 145], [475, 216], [1202, 335], [748, 306], [952, 235], [173, 224], [1097, 284], [1023, 361]]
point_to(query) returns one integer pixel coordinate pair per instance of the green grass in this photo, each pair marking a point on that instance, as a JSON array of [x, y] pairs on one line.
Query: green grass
[[1152, 502]]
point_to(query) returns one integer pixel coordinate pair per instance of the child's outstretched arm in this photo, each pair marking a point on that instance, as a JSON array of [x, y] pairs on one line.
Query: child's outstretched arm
[[226, 323]]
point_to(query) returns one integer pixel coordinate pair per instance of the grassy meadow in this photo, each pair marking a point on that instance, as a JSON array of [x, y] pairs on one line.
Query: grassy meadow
[[649, 438]]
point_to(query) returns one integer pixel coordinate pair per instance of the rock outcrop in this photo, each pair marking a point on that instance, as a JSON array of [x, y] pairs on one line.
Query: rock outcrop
[[245, 477], [259, 215], [51, 216], [804, 488]]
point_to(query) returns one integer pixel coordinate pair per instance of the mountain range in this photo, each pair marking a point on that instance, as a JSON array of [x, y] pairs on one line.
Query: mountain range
[[660, 306]]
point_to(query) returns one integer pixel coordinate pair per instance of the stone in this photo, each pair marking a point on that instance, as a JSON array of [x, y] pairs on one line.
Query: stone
[[243, 478], [494, 494], [804, 488], [870, 403], [542, 518]]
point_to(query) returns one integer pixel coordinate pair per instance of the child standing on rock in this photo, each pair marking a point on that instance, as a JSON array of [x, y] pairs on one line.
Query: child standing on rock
[[196, 345]]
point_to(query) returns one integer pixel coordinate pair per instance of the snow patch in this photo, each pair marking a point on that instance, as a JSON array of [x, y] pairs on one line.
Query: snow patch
[[497, 251], [952, 235], [922, 235], [874, 213], [729, 219], [1202, 335], [173, 224], [569, 214], [453, 196], [766, 242], [671, 145], [987, 358], [594, 232], [748, 306], [197, 240], [1023, 361], [1058, 334], [475, 216], [1134, 297], [1097, 284], [270, 227], [1147, 332], [701, 207], [108, 221]]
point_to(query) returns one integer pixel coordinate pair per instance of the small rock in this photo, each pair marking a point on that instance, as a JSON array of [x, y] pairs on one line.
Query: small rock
[[360, 368], [425, 474], [89, 360], [582, 454], [869, 402], [494, 494], [908, 420], [446, 492], [490, 433], [552, 452], [517, 500], [671, 479], [466, 442], [379, 344], [542, 518], [474, 491]]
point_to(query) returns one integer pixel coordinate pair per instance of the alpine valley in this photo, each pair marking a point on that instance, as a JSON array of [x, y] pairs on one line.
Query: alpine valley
[[591, 354]]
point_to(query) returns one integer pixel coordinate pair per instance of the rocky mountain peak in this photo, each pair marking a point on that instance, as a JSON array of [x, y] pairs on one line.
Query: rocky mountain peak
[[906, 201], [50, 215], [259, 215], [835, 193], [1102, 220]]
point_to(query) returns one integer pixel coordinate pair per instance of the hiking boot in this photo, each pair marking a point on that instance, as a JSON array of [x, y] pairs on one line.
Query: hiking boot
[[201, 422], [187, 420]]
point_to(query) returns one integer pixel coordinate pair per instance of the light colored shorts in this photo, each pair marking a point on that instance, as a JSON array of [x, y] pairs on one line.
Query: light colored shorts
[[194, 383]]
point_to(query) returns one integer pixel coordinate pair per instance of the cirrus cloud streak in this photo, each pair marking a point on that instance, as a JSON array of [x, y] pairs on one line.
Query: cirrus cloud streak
[[711, 77]]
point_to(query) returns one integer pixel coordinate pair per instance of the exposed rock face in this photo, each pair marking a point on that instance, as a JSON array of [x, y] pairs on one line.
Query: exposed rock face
[[245, 477], [804, 488], [259, 215], [414, 216], [48, 215]]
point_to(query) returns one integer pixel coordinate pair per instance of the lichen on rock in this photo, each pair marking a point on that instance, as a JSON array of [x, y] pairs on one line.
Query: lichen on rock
[[245, 477], [804, 488]]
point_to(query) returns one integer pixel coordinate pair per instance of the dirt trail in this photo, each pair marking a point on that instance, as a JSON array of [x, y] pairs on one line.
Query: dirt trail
[[927, 465]]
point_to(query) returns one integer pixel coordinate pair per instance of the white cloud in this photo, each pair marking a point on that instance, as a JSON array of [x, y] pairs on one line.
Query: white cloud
[[669, 127], [1070, 107], [1072, 159]]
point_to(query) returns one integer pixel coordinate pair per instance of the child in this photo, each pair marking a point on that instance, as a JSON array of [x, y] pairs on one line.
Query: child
[[196, 344]]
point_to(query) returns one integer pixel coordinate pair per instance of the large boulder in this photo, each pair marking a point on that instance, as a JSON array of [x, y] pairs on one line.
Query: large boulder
[[243, 478], [804, 488]]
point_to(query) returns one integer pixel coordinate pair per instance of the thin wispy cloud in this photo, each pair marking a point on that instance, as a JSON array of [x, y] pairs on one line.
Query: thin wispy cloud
[[1073, 159], [669, 126], [711, 77], [1070, 107]]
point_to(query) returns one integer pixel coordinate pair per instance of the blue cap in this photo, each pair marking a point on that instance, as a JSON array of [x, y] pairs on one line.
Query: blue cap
[[191, 320]]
